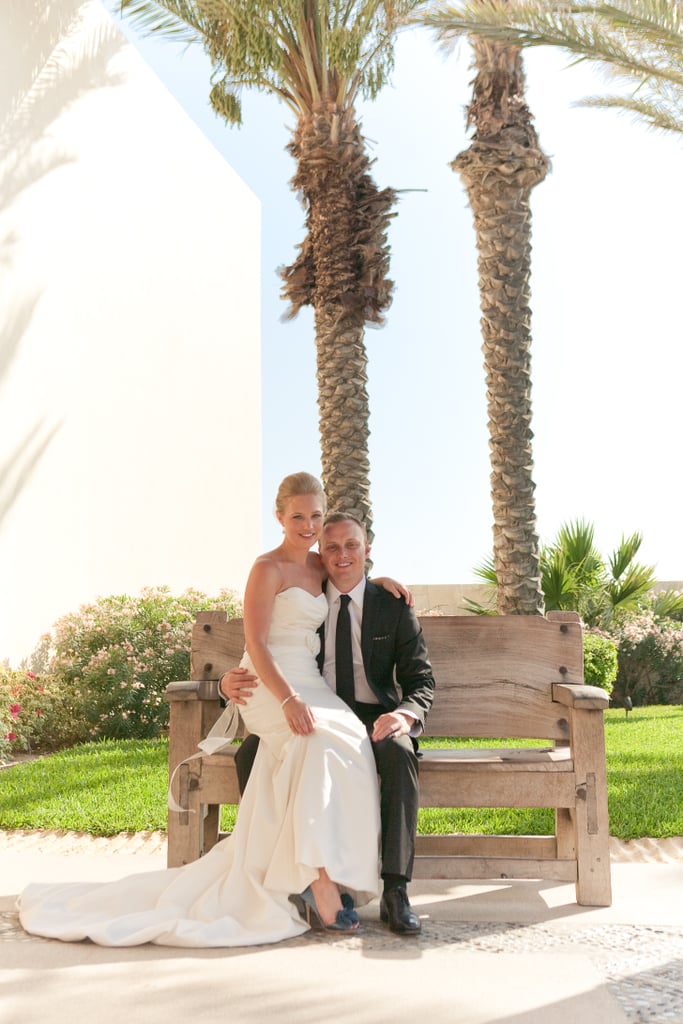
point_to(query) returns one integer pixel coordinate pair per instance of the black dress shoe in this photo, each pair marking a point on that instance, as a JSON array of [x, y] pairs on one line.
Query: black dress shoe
[[395, 910]]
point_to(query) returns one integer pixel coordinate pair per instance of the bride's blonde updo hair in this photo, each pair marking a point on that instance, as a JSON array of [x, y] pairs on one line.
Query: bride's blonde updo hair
[[294, 486]]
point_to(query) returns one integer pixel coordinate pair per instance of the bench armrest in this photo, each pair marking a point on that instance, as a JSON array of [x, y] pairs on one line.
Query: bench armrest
[[586, 698], [192, 689]]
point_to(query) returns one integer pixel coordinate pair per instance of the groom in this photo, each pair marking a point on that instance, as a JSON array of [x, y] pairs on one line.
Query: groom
[[393, 691]]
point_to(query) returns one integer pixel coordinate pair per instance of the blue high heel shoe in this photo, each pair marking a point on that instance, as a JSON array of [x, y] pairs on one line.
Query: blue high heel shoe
[[347, 904], [347, 919]]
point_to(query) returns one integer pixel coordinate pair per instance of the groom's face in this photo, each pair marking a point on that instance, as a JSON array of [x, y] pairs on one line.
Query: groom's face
[[343, 550]]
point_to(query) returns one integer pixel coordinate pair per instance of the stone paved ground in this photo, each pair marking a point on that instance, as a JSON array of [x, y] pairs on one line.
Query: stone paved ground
[[642, 964]]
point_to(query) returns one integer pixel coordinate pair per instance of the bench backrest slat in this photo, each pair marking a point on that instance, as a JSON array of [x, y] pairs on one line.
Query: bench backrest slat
[[217, 645], [494, 674]]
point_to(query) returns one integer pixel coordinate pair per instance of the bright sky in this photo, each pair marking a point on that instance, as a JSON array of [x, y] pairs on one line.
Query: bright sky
[[607, 338]]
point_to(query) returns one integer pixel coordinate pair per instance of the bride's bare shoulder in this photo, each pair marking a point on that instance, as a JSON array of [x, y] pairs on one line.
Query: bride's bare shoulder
[[266, 567], [274, 556]]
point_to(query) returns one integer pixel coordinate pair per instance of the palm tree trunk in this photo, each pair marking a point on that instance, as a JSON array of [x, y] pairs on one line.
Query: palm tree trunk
[[341, 271], [499, 170], [344, 413]]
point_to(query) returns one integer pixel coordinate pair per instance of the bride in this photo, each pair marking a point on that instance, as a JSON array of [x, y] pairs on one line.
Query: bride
[[306, 839]]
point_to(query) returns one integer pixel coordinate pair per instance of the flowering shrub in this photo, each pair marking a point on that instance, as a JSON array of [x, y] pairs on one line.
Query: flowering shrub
[[119, 654], [36, 714], [650, 659], [600, 661]]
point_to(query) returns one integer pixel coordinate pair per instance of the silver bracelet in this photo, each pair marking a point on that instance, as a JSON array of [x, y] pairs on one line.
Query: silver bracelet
[[291, 697]]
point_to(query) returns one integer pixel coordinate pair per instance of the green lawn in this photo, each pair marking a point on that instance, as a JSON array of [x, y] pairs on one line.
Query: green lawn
[[112, 787]]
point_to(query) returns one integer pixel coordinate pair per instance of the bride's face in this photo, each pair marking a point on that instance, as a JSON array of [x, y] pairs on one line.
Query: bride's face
[[302, 520]]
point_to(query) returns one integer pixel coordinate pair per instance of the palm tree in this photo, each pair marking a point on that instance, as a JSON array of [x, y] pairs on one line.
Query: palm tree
[[499, 170], [636, 43], [317, 57]]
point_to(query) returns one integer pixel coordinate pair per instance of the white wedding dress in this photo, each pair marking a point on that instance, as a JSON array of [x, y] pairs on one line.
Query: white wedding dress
[[312, 801]]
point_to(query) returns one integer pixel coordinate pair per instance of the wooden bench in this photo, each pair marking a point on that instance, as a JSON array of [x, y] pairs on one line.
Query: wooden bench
[[496, 677]]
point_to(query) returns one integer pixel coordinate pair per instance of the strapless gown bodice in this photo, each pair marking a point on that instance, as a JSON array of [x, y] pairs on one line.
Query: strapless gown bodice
[[312, 801], [297, 617], [294, 643], [293, 635]]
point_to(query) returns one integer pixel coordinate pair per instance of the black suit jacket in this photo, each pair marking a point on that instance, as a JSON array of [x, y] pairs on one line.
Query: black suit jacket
[[394, 653]]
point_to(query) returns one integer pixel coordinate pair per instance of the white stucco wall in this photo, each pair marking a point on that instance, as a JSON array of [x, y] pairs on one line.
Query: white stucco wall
[[142, 249]]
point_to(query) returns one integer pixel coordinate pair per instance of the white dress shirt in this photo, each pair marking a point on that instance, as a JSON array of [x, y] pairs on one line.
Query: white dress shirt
[[362, 689], [361, 686]]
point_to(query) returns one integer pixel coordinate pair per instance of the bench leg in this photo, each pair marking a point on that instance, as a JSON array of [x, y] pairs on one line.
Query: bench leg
[[212, 818], [185, 828], [185, 732], [183, 843], [565, 833], [593, 886]]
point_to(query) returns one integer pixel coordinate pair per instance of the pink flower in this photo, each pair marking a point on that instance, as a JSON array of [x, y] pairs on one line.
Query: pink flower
[[31, 675], [39, 711], [14, 710], [11, 736]]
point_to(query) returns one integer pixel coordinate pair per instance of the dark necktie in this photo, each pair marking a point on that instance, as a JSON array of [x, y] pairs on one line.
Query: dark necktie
[[343, 655]]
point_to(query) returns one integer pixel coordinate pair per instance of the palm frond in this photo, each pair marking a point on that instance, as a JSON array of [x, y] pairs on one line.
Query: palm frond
[[486, 571], [667, 604], [559, 581], [621, 559], [577, 541], [295, 49], [651, 113], [636, 582], [173, 19], [475, 608], [635, 43]]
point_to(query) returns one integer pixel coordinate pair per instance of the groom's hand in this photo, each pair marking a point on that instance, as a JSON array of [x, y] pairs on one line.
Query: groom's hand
[[237, 685], [391, 724], [395, 588]]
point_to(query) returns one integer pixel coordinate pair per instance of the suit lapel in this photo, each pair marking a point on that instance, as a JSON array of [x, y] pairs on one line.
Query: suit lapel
[[321, 653], [321, 633], [368, 623]]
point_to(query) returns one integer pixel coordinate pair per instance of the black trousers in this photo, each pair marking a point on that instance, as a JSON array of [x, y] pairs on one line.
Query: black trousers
[[397, 768]]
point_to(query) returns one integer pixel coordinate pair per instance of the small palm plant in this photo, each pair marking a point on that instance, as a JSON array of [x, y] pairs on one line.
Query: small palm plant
[[575, 577]]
